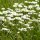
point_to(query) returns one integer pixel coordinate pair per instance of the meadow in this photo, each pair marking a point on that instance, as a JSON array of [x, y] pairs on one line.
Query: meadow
[[19, 19]]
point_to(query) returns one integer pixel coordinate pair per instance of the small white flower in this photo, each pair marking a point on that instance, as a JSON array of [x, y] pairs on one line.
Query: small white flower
[[25, 10], [4, 12], [30, 6], [18, 32], [25, 6], [15, 5], [26, 25], [5, 29], [22, 9], [17, 10], [18, 18], [32, 11], [22, 29], [20, 5], [33, 2], [26, 1], [30, 27], [8, 12], [15, 14], [9, 15], [20, 14], [29, 22], [21, 22], [38, 15], [9, 18], [25, 17], [2, 8]]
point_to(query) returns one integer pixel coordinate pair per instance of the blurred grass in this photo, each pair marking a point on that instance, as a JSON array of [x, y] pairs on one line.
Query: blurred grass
[[8, 3]]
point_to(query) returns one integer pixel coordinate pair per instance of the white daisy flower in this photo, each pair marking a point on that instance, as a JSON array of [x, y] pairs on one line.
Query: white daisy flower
[[30, 6], [15, 5], [20, 5], [17, 10], [4, 12], [26, 1], [33, 2], [26, 25], [30, 27], [25, 10], [15, 14], [24, 17], [22, 29], [38, 15], [5, 29], [25, 6], [20, 14], [9, 18], [21, 22], [18, 18], [18, 32], [32, 11]]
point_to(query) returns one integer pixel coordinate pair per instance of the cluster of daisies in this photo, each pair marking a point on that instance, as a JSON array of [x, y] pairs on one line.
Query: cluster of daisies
[[25, 14]]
